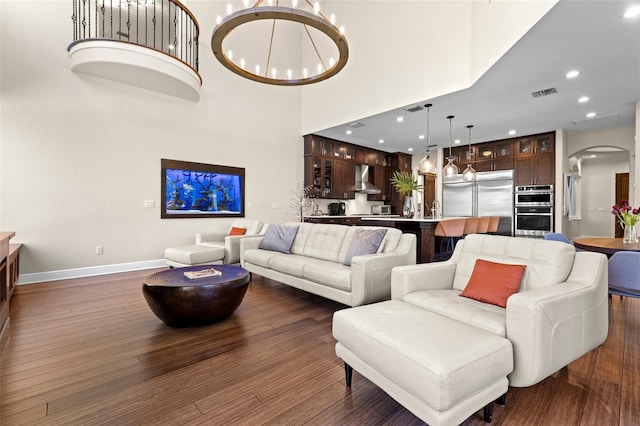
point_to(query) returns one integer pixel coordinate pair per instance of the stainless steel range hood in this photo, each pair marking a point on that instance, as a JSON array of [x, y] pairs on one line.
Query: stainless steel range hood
[[363, 185]]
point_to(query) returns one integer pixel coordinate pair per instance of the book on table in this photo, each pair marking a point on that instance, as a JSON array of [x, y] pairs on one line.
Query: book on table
[[203, 273]]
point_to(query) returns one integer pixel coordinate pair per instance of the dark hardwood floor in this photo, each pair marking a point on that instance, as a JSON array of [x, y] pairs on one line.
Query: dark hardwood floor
[[89, 351]]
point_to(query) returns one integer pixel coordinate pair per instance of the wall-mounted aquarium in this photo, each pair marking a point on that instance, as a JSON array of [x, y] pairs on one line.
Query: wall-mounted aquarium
[[201, 190]]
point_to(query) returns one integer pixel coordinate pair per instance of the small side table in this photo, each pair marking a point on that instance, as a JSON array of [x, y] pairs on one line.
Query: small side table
[[182, 302]]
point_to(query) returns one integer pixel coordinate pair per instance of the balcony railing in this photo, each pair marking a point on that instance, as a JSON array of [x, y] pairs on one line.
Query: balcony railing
[[166, 26]]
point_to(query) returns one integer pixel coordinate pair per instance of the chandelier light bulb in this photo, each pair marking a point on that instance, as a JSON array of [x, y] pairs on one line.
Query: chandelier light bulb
[[274, 72], [294, 3], [319, 68], [450, 169], [289, 74], [242, 63], [332, 62], [229, 9], [427, 165], [333, 19], [316, 8], [230, 54], [305, 72], [257, 69], [342, 30], [218, 19]]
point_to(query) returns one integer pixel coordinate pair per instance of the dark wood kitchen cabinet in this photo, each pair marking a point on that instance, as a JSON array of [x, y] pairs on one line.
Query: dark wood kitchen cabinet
[[534, 160], [318, 173], [399, 162], [344, 180], [380, 178]]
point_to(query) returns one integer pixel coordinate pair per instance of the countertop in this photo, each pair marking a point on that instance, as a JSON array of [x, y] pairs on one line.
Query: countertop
[[402, 219]]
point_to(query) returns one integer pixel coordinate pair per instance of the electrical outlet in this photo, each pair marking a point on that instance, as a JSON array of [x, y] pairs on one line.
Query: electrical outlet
[[99, 250], [149, 204], [275, 205]]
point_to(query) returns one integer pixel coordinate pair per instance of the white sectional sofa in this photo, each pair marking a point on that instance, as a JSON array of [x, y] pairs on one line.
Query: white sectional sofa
[[416, 345], [316, 262]]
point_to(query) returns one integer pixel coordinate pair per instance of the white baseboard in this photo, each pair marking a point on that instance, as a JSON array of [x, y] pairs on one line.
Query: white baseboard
[[66, 274]]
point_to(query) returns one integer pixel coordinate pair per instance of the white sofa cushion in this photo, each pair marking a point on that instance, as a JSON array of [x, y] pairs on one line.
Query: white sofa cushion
[[548, 262], [331, 274], [468, 311]]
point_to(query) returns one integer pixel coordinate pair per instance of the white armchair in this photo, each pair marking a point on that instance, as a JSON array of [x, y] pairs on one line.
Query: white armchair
[[214, 247], [559, 314]]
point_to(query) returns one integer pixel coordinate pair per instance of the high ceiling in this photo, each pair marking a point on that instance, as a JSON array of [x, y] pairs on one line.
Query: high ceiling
[[592, 37]]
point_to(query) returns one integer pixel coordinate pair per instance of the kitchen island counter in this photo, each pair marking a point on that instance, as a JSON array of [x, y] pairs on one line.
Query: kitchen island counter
[[423, 229]]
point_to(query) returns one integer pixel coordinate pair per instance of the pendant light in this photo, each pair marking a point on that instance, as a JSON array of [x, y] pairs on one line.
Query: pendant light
[[450, 169], [427, 165], [469, 174]]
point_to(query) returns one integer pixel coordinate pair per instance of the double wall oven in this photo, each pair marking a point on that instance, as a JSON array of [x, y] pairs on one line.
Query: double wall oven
[[533, 210]]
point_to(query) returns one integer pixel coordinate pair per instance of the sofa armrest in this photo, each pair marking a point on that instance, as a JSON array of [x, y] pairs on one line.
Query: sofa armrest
[[552, 326], [371, 274], [232, 248], [246, 243], [202, 237], [425, 276]]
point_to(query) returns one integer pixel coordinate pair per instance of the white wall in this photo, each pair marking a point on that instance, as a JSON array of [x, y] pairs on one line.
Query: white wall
[[81, 154]]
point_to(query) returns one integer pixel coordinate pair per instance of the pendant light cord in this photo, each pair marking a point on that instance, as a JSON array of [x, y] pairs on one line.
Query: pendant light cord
[[450, 134]]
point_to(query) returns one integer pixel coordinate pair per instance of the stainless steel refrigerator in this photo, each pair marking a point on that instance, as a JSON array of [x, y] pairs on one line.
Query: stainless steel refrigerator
[[491, 194]]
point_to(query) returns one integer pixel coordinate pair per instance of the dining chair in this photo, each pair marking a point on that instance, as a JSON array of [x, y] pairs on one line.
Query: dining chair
[[557, 236], [624, 274]]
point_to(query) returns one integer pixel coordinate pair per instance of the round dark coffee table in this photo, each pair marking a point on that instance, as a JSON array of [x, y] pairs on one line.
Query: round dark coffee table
[[182, 302]]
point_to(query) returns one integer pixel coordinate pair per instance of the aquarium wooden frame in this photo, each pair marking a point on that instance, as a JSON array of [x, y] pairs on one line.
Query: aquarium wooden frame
[[167, 213]]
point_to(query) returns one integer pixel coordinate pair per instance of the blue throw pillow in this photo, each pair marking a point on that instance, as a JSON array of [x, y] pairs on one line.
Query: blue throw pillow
[[279, 238], [365, 241]]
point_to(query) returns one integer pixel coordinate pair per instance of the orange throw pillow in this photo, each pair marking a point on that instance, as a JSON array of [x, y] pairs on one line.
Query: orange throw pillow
[[493, 282], [237, 231]]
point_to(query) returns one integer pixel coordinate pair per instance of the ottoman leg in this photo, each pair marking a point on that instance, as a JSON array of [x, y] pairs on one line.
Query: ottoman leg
[[348, 373], [488, 412], [502, 400]]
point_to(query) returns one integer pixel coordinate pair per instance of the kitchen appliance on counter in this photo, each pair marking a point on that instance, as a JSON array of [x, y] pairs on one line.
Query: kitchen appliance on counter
[[491, 194], [381, 210], [337, 209], [533, 210]]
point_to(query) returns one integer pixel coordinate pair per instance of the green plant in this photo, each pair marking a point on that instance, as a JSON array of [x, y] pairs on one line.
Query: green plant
[[404, 182]]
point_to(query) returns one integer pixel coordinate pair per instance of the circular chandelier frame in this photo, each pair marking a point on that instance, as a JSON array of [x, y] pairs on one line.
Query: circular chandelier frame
[[276, 13]]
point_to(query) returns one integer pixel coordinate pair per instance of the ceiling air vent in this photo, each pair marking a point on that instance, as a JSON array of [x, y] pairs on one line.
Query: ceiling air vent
[[356, 125], [544, 92], [414, 109]]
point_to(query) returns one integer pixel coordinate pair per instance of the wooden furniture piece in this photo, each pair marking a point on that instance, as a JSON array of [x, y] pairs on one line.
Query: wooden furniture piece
[[182, 302], [8, 278], [607, 246]]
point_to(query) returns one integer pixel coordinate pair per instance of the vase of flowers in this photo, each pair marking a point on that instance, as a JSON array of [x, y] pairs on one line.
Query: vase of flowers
[[627, 217], [404, 182]]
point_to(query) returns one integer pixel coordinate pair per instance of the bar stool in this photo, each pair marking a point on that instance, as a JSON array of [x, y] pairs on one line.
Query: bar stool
[[494, 221], [449, 231], [470, 225], [483, 224]]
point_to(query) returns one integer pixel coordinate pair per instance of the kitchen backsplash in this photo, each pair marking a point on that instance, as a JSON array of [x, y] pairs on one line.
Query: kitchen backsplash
[[360, 205]]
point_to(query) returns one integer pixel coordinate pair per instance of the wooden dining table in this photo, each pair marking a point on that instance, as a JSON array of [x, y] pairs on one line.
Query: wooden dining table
[[607, 246]]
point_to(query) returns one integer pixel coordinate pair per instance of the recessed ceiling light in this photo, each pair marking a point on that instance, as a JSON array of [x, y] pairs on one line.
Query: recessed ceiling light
[[349, 132], [410, 149], [400, 119], [591, 115], [421, 137], [512, 132], [572, 74], [583, 99], [380, 140], [457, 141], [632, 12]]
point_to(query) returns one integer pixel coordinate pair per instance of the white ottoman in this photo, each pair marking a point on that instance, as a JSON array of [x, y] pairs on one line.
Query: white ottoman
[[441, 370], [192, 255]]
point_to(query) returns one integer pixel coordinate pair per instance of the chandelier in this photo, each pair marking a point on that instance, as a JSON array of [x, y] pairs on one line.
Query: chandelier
[[323, 42], [450, 169], [427, 165], [469, 174]]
